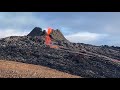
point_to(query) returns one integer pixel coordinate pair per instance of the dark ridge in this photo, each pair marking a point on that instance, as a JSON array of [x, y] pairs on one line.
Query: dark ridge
[[36, 32]]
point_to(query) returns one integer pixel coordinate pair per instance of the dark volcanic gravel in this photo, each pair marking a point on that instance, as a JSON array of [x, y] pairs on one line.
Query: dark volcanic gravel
[[74, 58]]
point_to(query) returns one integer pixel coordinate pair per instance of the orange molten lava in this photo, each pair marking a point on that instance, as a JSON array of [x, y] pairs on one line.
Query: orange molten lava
[[49, 31], [48, 39], [54, 46]]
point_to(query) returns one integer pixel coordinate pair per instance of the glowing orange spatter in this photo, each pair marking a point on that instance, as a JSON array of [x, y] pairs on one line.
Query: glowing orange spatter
[[48, 39], [49, 31]]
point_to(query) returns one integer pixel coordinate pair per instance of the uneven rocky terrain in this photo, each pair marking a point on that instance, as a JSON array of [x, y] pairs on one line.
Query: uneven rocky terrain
[[74, 58]]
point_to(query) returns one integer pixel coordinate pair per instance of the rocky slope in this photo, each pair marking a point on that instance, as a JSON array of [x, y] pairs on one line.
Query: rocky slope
[[75, 58]]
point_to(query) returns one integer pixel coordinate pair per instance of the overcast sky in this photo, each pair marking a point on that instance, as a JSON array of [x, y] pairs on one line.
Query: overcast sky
[[97, 28]]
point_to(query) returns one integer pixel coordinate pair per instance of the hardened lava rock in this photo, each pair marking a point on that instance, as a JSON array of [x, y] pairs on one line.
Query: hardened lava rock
[[75, 58]]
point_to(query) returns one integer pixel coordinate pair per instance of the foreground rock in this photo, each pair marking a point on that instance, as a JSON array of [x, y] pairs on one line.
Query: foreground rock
[[74, 58]]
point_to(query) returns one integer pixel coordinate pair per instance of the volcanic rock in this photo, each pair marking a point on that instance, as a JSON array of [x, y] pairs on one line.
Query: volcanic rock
[[75, 58], [57, 35], [36, 32]]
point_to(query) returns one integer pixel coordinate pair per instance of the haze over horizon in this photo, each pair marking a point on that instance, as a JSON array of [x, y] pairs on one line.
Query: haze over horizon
[[96, 28]]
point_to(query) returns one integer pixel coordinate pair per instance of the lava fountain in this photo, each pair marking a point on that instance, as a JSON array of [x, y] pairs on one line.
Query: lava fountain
[[48, 40]]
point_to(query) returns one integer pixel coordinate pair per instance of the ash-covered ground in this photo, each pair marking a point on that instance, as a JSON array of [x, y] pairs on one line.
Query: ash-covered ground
[[80, 59]]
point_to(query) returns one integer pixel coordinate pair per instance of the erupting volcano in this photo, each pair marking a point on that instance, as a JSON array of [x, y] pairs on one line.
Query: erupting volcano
[[51, 49]]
